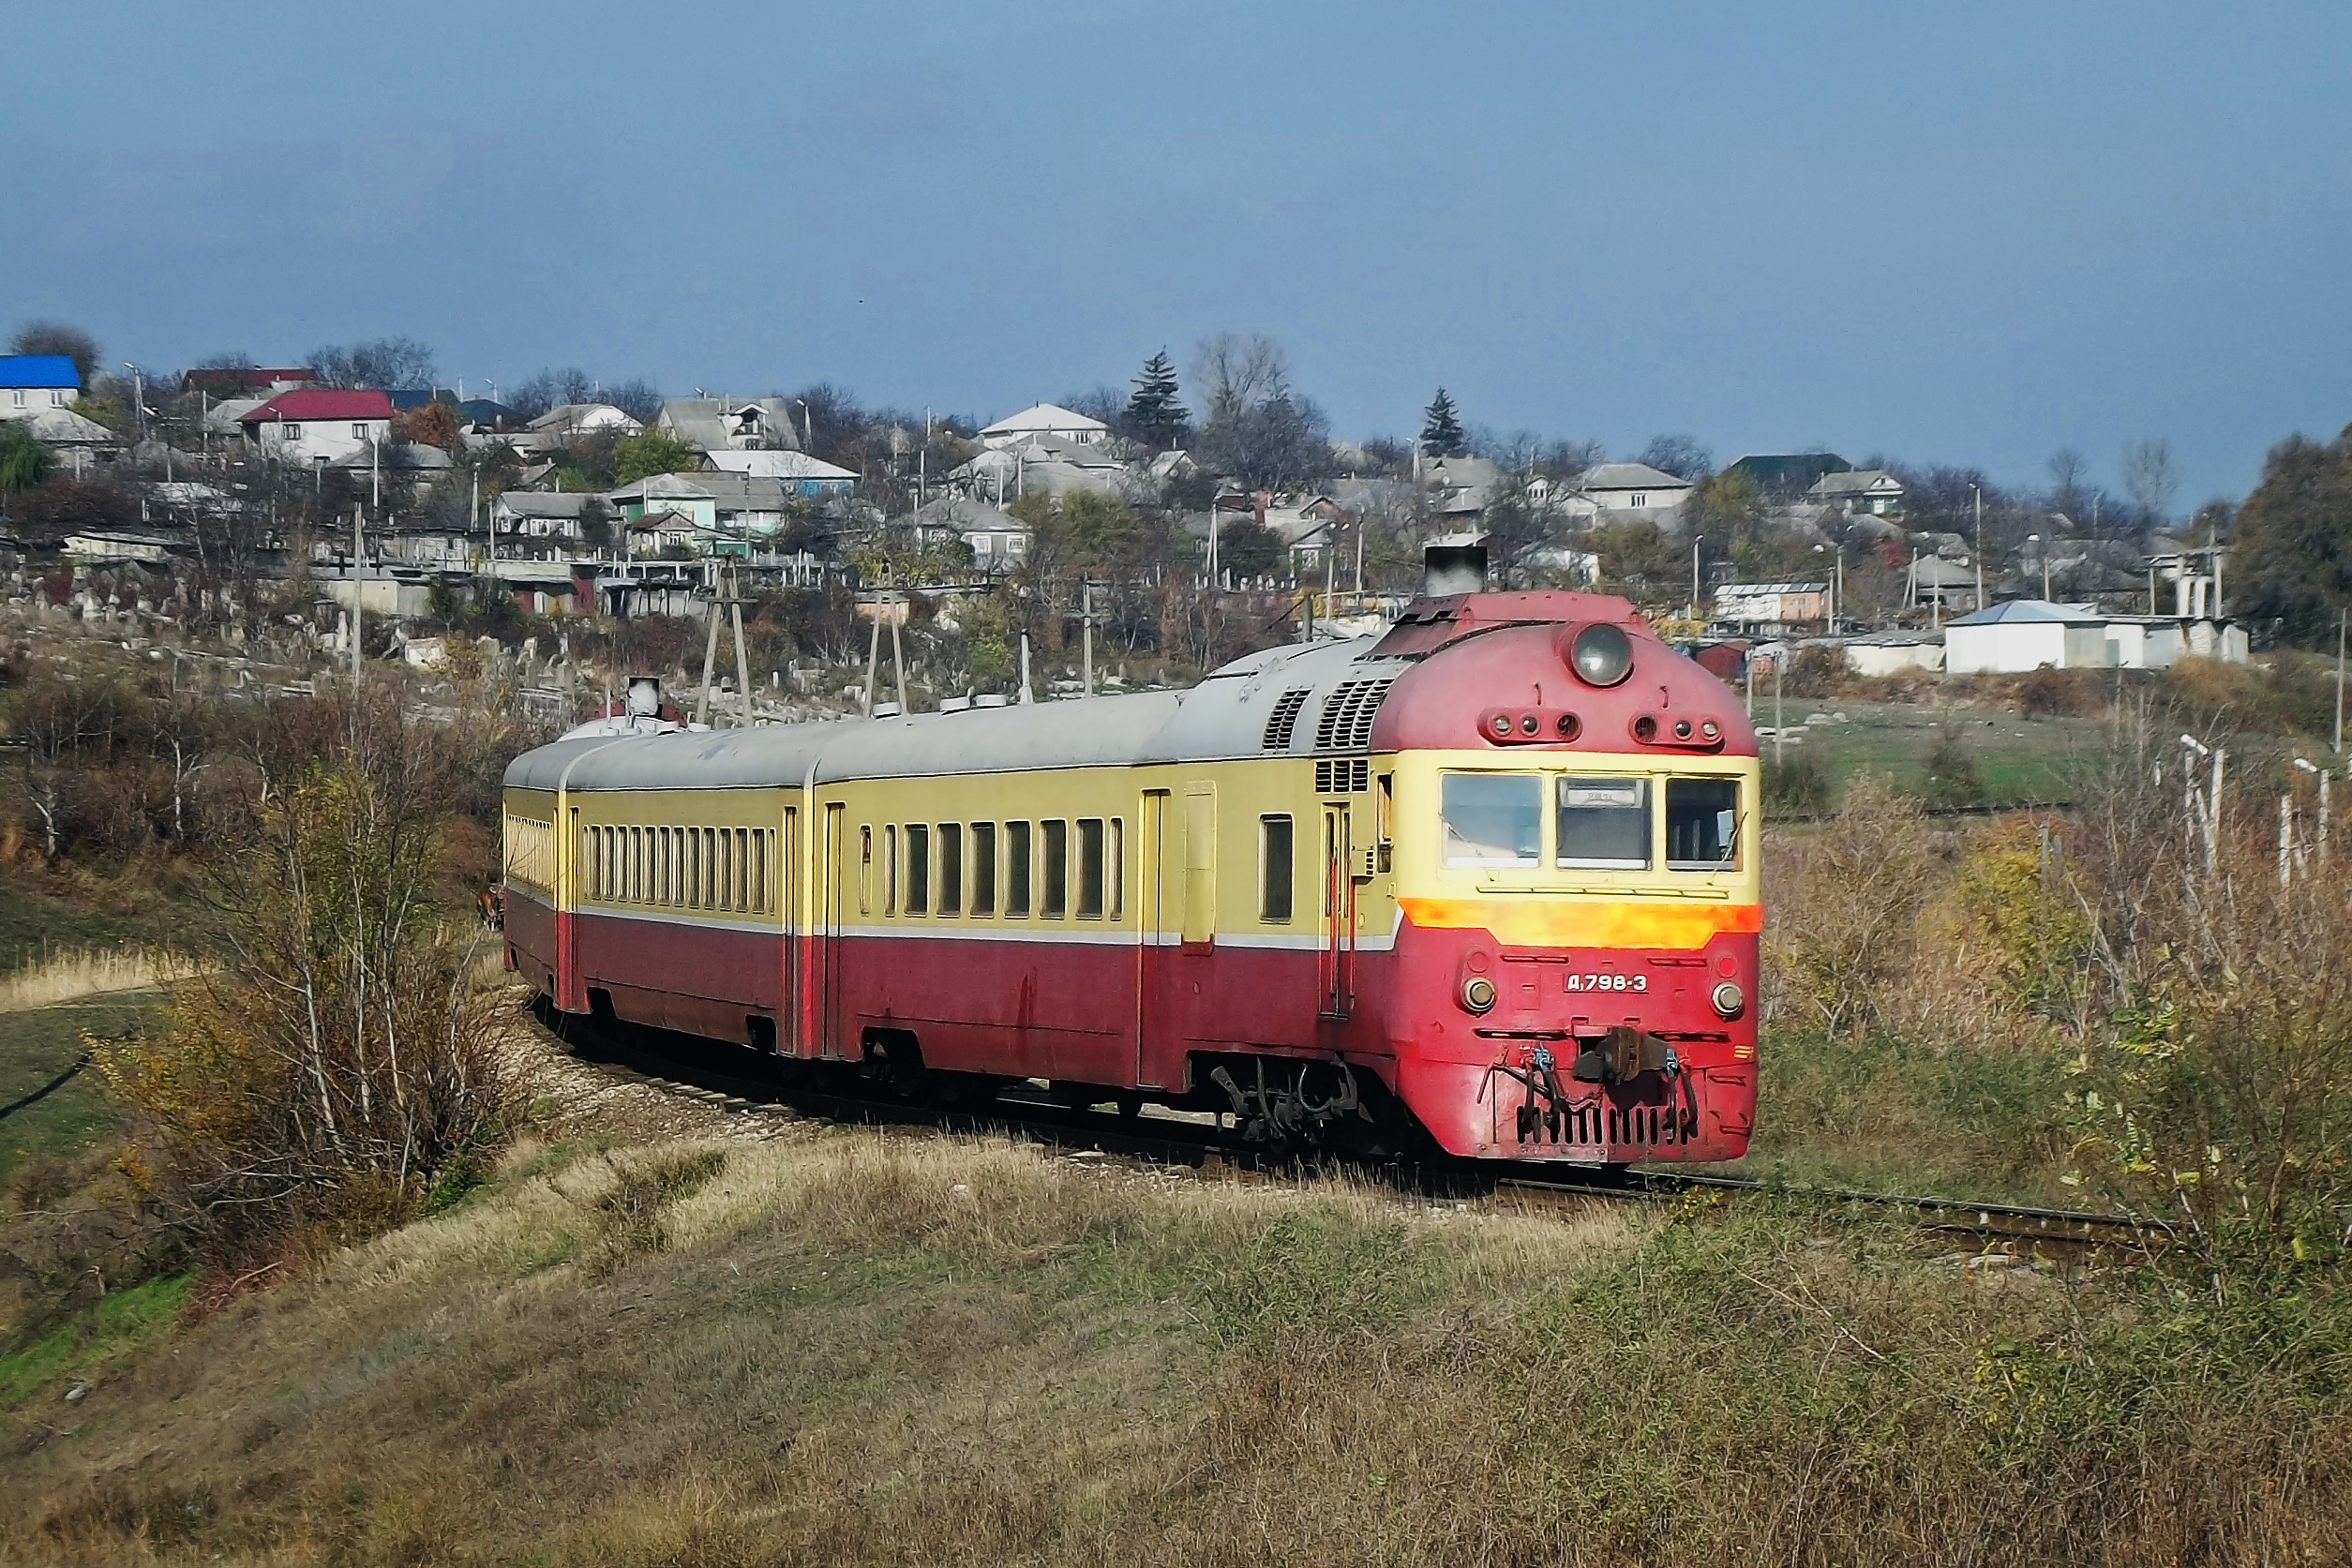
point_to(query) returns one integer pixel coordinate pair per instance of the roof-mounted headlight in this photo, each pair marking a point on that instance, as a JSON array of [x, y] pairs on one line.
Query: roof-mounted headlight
[[1601, 654]]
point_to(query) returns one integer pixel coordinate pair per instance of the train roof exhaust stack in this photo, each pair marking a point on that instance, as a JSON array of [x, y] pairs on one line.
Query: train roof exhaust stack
[[1454, 563]]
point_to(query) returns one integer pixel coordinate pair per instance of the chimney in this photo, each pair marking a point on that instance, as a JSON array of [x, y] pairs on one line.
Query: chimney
[[1454, 565]]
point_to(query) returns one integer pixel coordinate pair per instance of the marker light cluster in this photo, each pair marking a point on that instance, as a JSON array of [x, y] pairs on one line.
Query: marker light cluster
[[1525, 726]]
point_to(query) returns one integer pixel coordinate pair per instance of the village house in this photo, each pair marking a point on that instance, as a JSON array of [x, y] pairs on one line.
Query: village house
[[713, 509], [998, 541], [796, 472], [1622, 492], [1045, 421], [1864, 492], [35, 383], [317, 425], [537, 515], [569, 422], [730, 424]]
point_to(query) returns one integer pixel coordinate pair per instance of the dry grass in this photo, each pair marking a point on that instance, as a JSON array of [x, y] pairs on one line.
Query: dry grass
[[77, 972], [842, 1348]]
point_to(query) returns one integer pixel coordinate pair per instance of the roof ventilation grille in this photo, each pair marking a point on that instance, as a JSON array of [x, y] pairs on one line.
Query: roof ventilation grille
[[1346, 721], [1283, 721]]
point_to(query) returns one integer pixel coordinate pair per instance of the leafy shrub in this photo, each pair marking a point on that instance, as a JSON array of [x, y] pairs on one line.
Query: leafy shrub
[[1796, 783], [1952, 778]]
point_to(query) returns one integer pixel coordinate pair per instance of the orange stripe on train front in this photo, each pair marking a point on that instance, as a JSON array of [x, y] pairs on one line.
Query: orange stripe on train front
[[1552, 923]]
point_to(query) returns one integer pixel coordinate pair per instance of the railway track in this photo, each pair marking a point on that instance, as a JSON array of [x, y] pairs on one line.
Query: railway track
[[730, 1079]]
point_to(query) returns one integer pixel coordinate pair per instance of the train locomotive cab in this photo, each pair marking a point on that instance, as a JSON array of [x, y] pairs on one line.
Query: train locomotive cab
[[1574, 811]]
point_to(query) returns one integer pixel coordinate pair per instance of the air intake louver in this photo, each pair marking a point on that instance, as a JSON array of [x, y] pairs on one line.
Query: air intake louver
[[1346, 721], [1283, 721]]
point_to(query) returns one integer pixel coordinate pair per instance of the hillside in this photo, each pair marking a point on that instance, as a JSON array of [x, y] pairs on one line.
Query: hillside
[[803, 1344]]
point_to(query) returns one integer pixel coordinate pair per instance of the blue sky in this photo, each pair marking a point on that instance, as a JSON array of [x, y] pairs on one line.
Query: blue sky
[[1958, 234]]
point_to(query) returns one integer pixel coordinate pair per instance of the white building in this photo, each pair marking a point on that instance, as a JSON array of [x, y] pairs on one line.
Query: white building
[[1045, 421], [35, 383], [1623, 492], [2033, 634], [1867, 492], [318, 424], [568, 422], [730, 424]]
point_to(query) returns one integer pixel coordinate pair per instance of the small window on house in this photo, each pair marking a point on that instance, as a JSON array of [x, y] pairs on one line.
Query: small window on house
[[983, 868], [918, 869], [359, 432], [1276, 872], [291, 432], [1091, 870], [1640, 500], [1017, 869], [950, 868], [19, 398]]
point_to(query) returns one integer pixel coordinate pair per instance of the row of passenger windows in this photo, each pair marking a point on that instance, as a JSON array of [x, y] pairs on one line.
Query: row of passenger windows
[[724, 870], [1052, 870], [530, 852]]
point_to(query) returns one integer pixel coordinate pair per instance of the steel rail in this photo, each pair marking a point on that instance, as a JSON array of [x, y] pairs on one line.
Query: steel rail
[[1166, 1141]]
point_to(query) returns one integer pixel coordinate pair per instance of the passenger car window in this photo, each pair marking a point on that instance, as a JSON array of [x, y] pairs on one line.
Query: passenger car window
[[918, 869], [1277, 869], [1052, 898], [1703, 824], [1017, 868], [1603, 824], [983, 868], [1090, 848], [1492, 819]]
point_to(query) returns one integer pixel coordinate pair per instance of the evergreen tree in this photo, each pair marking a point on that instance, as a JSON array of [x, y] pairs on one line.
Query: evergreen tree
[[1154, 415], [1442, 435]]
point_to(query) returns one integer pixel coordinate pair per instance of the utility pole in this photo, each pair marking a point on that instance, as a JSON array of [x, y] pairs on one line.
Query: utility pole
[[898, 653], [1978, 497], [1779, 730], [359, 544], [1086, 622], [2342, 617]]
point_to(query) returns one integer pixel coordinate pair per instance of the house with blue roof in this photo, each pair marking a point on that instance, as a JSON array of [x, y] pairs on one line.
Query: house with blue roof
[[32, 384]]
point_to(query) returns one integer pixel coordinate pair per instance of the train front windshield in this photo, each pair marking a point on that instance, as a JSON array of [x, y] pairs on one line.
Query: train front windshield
[[1596, 822]]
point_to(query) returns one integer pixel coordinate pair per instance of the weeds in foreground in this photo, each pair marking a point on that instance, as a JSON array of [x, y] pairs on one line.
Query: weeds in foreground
[[1015, 1358]]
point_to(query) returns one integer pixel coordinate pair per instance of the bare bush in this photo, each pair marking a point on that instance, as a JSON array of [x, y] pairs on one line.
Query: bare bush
[[339, 1058]]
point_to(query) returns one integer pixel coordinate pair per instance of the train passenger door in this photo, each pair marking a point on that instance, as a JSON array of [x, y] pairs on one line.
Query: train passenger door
[[1337, 957], [824, 978], [788, 896], [1158, 1040]]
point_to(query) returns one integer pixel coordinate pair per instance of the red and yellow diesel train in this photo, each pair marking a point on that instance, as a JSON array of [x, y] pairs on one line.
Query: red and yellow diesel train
[[1490, 876]]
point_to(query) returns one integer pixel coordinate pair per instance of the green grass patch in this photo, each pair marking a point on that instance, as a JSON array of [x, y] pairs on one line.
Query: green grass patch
[[1887, 1115], [116, 1326], [36, 1046], [2018, 758], [34, 921]]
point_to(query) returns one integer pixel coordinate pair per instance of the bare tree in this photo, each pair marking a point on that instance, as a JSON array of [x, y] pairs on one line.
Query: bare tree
[[1237, 370], [378, 362], [58, 337], [1683, 457], [2149, 476]]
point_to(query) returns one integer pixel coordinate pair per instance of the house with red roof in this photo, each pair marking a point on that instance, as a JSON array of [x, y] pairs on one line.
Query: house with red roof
[[317, 425]]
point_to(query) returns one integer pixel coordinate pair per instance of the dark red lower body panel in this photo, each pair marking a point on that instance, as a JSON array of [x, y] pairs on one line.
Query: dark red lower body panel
[[1125, 1014]]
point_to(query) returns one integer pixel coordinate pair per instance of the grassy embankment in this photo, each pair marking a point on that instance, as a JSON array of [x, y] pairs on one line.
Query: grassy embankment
[[840, 1348]]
